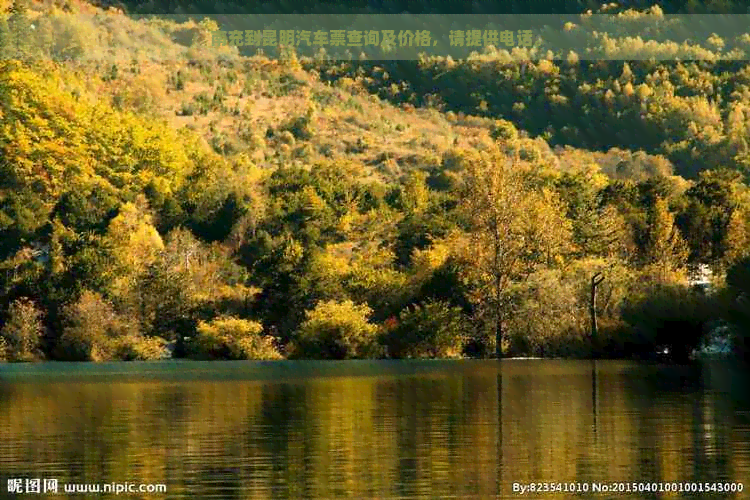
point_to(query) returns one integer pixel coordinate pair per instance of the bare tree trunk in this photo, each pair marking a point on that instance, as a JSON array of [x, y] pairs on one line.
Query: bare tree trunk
[[498, 297], [596, 280], [498, 335]]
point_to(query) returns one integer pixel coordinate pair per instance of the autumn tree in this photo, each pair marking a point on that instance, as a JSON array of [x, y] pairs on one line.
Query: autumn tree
[[512, 229], [21, 334], [188, 281], [92, 330], [666, 250], [135, 244]]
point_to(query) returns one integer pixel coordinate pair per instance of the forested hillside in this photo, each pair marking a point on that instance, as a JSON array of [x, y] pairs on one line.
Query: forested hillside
[[158, 193], [424, 6]]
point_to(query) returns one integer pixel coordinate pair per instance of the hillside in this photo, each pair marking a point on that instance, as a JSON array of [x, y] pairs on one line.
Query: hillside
[[159, 193]]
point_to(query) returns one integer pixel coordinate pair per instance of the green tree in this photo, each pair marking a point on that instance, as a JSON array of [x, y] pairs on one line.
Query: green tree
[[738, 295], [714, 221], [21, 32], [5, 38], [671, 316], [431, 329], [598, 229]]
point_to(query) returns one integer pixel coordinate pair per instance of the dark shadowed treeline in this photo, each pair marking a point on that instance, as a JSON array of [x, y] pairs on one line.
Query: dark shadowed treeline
[[418, 6]]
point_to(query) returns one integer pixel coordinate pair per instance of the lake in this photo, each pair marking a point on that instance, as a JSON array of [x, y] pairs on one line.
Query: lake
[[374, 429]]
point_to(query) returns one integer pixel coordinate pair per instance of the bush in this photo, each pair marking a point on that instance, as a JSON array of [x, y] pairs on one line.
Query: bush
[[22, 332], [427, 330], [231, 338], [337, 330], [203, 103], [139, 348], [301, 127], [503, 130], [287, 137], [187, 109], [93, 330]]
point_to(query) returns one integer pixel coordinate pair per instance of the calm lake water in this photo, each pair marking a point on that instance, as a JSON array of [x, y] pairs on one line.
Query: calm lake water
[[374, 429]]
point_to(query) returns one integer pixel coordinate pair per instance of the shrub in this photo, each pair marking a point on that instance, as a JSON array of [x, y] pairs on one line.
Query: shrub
[[139, 348], [301, 127], [203, 103], [187, 109], [503, 130], [432, 329], [93, 330], [231, 338], [22, 332], [178, 81], [287, 137], [337, 330]]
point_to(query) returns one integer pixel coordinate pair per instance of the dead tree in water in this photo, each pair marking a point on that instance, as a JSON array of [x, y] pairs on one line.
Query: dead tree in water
[[596, 280]]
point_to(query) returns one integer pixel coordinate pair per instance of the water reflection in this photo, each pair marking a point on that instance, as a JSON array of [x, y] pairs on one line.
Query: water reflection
[[375, 430]]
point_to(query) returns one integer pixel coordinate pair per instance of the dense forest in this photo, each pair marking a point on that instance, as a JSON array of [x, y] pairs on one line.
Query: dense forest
[[160, 194], [422, 6]]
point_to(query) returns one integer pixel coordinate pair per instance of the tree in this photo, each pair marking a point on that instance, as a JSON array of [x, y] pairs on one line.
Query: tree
[[20, 29], [187, 280], [672, 316], [666, 250], [512, 229], [432, 329], [92, 330], [22, 331], [135, 245], [5, 39], [738, 288], [598, 229], [714, 220], [414, 195], [596, 280]]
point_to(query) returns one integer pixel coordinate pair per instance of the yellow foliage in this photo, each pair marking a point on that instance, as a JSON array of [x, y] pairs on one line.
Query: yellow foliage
[[135, 244], [52, 141], [338, 330], [426, 261], [240, 337]]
